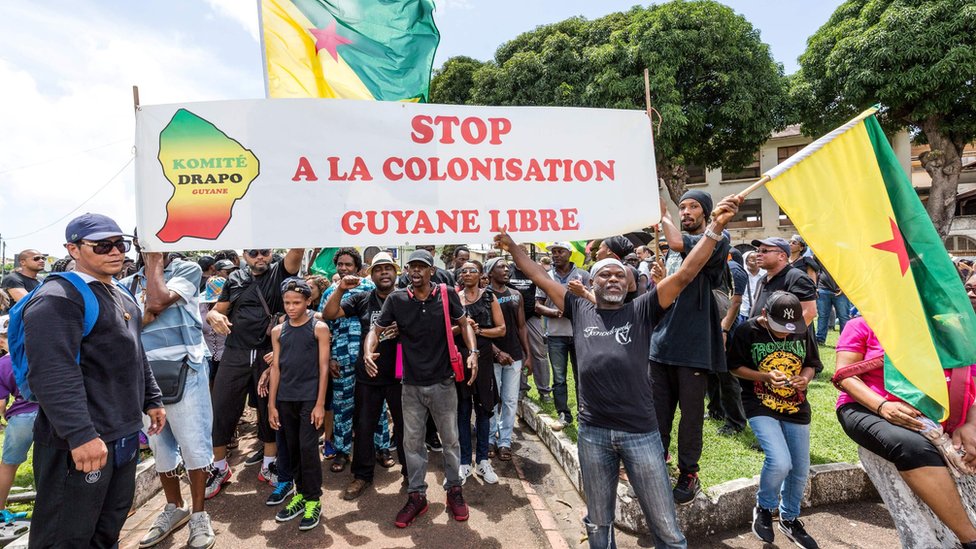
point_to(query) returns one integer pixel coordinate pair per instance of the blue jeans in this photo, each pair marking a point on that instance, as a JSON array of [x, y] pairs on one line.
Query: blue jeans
[[18, 437], [561, 353], [600, 453], [787, 464], [482, 425], [507, 378], [825, 300]]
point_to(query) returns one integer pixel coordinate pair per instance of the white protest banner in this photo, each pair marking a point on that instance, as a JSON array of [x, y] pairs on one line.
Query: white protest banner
[[325, 172]]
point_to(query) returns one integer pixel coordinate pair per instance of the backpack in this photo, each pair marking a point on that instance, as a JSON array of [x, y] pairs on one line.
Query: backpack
[[15, 329]]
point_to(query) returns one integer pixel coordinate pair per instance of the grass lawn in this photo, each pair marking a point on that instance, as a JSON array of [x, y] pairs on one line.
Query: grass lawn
[[727, 458]]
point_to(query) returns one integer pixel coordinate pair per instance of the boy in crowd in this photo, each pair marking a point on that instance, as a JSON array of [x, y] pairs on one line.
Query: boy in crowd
[[775, 357], [296, 403], [19, 434]]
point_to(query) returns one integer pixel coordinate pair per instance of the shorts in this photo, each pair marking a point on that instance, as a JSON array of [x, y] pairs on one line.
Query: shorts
[[189, 424], [18, 437]]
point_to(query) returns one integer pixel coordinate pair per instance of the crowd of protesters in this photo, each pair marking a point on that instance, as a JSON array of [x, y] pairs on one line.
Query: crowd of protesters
[[382, 365]]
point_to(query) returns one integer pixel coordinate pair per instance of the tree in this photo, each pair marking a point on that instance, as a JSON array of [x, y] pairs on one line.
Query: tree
[[712, 79], [452, 83], [918, 59]]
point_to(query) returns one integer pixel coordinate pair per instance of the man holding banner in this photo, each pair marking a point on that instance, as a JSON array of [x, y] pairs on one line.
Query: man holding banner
[[616, 402]]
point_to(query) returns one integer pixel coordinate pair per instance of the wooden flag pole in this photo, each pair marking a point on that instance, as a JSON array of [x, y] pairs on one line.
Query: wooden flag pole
[[749, 190], [650, 110]]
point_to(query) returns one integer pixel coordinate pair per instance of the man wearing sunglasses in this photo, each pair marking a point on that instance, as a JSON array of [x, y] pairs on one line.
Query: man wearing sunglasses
[[249, 302], [24, 279], [774, 256], [92, 390]]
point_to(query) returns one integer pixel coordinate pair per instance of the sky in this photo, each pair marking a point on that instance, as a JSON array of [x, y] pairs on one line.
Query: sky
[[67, 69]]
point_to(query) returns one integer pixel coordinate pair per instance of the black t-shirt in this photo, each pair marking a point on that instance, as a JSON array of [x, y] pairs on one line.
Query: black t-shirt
[[806, 264], [423, 336], [18, 280], [298, 363], [791, 280], [754, 347], [740, 279], [826, 282], [366, 306], [524, 285], [614, 381], [510, 302], [246, 312], [690, 333]]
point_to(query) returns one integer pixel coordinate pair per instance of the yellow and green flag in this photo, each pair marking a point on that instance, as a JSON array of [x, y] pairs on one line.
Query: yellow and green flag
[[349, 49], [852, 202]]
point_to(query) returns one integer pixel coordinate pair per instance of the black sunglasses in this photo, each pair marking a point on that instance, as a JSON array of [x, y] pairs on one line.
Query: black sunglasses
[[468, 271], [103, 247], [254, 253], [37, 257]]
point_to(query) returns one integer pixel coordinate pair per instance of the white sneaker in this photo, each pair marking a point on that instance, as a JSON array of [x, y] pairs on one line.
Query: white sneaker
[[464, 472], [486, 473], [171, 518], [201, 533]]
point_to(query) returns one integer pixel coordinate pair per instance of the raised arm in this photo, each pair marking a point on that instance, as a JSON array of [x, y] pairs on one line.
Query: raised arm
[[535, 272], [669, 288], [332, 309], [293, 260]]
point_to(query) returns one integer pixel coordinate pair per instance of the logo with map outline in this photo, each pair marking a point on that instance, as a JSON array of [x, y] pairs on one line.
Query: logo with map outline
[[209, 170]]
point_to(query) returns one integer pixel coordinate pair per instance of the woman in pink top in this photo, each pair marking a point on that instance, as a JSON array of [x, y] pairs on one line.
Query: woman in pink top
[[888, 427]]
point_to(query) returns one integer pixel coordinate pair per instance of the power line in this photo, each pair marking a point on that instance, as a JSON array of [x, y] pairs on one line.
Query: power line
[[41, 162], [76, 208]]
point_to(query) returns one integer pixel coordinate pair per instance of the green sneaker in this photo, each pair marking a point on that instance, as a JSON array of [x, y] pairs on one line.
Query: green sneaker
[[313, 510], [294, 509]]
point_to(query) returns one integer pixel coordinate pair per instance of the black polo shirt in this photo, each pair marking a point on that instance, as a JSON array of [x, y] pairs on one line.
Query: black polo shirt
[[423, 335], [791, 280], [367, 306]]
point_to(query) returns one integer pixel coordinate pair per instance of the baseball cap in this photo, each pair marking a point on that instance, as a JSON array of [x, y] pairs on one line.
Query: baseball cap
[[776, 241], [224, 265], [295, 284], [214, 287], [563, 245], [784, 313], [91, 226], [205, 261], [382, 258], [421, 255]]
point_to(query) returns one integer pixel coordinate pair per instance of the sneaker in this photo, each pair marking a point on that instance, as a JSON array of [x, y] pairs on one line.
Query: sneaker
[[762, 524], [269, 474], [434, 445], [729, 430], [201, 533], [328, 450], [686, 489], [486, 473], [255, 458], [464, 472], [294, 509], [355, 489], [416, 506], [281, 492], [456, 505], [546, 398], [171, 518], [313, 510], [794, 530], [216, 481]]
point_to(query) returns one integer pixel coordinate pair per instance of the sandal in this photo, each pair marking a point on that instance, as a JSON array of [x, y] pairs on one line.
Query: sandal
[[492, 451], [505, 453], [339, 463], [385, 459]]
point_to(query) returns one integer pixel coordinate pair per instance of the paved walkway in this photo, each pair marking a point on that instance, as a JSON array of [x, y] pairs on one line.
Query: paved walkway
[[533, 506]]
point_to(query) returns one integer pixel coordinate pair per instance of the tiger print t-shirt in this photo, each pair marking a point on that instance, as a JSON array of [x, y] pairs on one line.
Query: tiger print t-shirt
[[753, 346]]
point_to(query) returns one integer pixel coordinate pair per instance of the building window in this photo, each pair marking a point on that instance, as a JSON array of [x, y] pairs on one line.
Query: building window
[[749, 215], [696, 174], [751, 171], [782, 153], [959, 245], [784, 220]]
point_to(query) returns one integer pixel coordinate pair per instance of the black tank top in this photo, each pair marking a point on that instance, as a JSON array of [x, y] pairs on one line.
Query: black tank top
[[298, 363]]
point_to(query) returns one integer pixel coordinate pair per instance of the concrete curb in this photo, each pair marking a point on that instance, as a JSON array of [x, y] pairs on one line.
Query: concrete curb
[[728, 505]]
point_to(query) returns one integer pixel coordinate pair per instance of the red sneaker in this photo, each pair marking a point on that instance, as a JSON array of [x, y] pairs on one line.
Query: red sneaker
[[416, 506], [456, 505]]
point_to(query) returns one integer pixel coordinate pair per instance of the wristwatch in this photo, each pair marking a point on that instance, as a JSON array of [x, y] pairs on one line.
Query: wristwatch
[[713, 235], [475, 352]]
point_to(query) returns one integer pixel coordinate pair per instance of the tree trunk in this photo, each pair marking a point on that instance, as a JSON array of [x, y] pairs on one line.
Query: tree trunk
[[943, 162], [675, 178]]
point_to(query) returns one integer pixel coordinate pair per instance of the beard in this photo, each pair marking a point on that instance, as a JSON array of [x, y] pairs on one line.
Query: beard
[[602, 294]]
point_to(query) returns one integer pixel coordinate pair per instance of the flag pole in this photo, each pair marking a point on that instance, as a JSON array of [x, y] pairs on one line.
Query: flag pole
[[650, 118]]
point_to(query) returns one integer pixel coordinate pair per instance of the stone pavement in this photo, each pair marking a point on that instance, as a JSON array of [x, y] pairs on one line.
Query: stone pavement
[[533, 506]]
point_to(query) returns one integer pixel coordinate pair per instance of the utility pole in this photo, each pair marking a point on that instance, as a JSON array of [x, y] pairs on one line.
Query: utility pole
[[3, 258]]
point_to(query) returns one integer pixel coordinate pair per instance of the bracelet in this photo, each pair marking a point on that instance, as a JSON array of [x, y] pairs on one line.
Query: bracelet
[[713, 235], [475, 352], [878, 411]]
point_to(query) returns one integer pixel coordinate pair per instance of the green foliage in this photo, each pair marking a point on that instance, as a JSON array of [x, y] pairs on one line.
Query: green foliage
[[452, 82], [712, 79], [918, 59]]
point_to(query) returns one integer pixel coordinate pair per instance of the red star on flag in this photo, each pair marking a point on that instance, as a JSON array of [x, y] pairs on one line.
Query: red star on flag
[[896, 246], [327, 39]]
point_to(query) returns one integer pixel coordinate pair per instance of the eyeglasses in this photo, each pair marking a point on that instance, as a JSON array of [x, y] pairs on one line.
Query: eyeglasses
[[38, 258], [255, 253], [765, 251], [468, 271], [103, 247]]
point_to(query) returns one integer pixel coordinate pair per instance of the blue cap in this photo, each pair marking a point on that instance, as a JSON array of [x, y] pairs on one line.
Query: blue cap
[[91, 226], [776, 242]]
